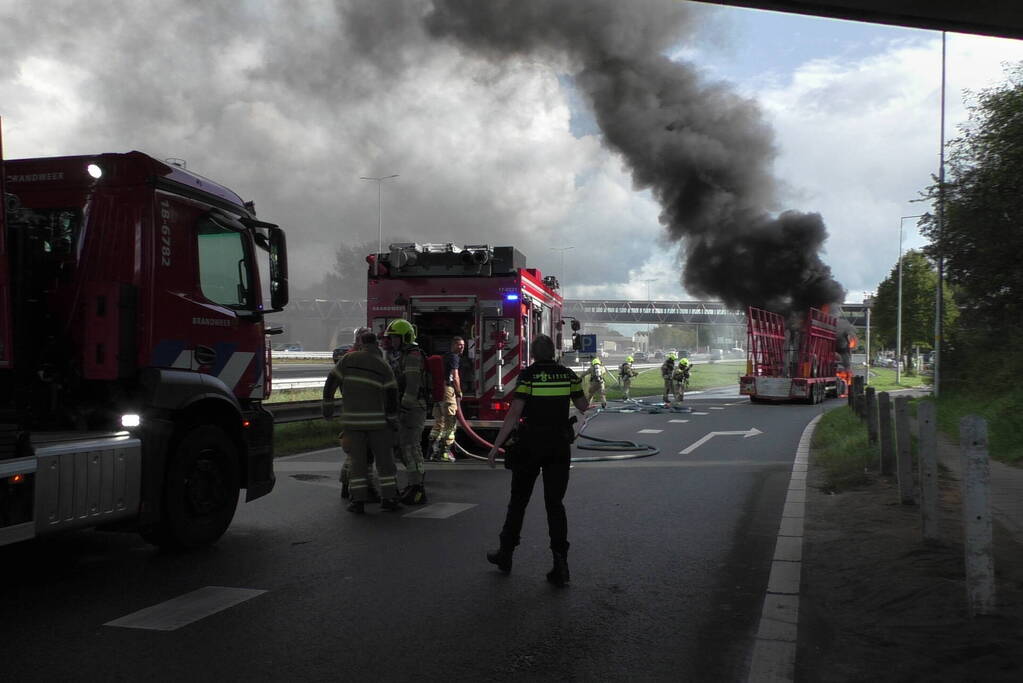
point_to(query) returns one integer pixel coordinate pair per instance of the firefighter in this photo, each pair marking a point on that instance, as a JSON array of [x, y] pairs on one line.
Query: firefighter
[[442, 436], [410, 371], [595, 377], [330, 387], [667, 369], [626, 373], [368, 416], [543, 394], [680, 379]]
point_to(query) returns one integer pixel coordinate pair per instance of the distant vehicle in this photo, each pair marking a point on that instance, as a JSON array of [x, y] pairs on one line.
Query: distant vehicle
[[604, 354], [340, 351], [685, 353], [292, 347], [736, 352], [658, 354], [639, 356], [716, 354]]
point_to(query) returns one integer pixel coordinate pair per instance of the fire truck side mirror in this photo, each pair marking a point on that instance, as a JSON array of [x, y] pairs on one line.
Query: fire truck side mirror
[[278, 269]]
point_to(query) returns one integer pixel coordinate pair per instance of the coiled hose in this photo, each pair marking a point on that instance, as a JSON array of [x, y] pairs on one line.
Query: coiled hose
[[609, 448]]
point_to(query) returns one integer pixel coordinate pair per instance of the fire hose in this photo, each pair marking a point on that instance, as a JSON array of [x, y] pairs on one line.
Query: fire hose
[[610, 448]]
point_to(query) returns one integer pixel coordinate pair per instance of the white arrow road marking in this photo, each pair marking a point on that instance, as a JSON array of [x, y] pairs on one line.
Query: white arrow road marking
[[753, 431]]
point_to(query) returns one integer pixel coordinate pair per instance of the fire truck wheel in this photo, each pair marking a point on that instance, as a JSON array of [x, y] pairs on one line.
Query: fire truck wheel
[[201, 490]]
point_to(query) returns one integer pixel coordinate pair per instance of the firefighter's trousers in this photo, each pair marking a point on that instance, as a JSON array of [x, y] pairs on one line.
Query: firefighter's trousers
[[379, 442], [597, 390], [410, 442], [680, 390], [669, 388], [626, 386], [445, 421]]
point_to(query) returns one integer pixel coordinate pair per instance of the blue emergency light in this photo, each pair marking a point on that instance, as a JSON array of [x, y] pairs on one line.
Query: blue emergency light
[[511, 297]]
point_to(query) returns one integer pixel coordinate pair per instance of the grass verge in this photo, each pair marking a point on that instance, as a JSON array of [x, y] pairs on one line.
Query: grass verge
[[1003, 411], [840, 448], [299, 437]]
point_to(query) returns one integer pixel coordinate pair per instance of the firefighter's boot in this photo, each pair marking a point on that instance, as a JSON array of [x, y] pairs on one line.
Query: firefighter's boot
[[414, 495], [502, 557], [357, 507], [558, 575]]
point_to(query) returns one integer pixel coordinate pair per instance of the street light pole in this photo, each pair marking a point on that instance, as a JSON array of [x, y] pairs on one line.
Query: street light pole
[[898, 315], [379, 181], [651, 309], [561, 273]]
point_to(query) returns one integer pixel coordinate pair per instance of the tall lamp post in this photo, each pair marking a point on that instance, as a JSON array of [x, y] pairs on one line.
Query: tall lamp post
[[561, 273], [379, 181], [647, 282], [898, 315]]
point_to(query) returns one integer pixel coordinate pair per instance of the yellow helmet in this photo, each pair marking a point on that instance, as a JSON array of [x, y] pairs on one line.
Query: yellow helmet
[[403, 328], [595, 361], [672, 356], [684, 361], [628, 359]]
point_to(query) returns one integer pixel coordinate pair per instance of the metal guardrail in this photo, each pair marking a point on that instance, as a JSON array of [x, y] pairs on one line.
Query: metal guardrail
[[294, 411]]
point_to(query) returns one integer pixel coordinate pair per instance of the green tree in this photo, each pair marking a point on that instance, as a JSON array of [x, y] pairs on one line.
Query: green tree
[[981, 239], [919, 286]]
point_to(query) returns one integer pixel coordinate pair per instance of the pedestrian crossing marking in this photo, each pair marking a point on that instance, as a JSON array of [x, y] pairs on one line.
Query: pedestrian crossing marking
[[679, 421], [650, 431], [172, 614], [440, 510]]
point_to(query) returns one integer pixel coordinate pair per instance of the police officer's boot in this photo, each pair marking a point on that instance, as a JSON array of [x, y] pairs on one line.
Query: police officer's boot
[[502, 557], [558, 575]]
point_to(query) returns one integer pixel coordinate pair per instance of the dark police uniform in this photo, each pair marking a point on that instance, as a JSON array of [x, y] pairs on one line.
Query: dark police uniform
[[545, 445]]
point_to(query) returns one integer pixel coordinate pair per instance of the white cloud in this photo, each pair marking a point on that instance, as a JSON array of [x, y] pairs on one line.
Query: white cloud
[[859, 140]]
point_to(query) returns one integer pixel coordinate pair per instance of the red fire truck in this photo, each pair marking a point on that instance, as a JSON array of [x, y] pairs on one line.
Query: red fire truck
[[805, 358], [133, 356], [483, 294]]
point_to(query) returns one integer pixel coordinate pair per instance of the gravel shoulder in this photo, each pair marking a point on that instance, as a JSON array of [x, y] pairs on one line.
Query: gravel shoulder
[[880, 604]]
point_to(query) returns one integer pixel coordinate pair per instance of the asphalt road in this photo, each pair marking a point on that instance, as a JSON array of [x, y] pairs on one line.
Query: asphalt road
[[670, 559]]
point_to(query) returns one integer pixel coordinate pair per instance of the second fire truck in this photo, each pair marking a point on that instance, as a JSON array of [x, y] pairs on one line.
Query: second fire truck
[[484, 294]]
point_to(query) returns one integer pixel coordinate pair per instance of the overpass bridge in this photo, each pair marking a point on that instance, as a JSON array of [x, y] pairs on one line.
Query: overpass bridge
[[676, 312], [352, 312]]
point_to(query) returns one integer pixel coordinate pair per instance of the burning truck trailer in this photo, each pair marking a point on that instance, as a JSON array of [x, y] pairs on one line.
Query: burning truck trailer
[[484, 294], [804, 358]]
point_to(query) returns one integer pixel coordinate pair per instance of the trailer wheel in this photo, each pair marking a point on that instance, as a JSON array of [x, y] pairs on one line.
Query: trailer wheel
[[200, 493]]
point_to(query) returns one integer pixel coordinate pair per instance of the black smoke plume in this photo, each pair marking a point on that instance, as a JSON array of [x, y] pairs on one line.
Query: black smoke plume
[[703, 151]]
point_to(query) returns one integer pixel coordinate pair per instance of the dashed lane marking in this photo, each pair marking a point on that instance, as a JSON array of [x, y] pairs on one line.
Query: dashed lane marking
[[440, 510], [716, 408], [650, 431], [700, 413], [679, 421], [172, 614]]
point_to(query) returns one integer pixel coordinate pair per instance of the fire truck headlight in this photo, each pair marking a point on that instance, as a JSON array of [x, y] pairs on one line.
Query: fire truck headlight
[[95, 171], [130, 420]]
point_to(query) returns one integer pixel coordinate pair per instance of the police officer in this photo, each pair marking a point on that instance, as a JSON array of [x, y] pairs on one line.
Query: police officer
[[680, 379], [368, 416], [410, 370], [626, 373], [667, 370], [442, 436], [595, 376], [542, 397]]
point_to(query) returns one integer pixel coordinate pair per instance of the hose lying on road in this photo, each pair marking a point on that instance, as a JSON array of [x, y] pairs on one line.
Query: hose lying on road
[[610, 449]]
